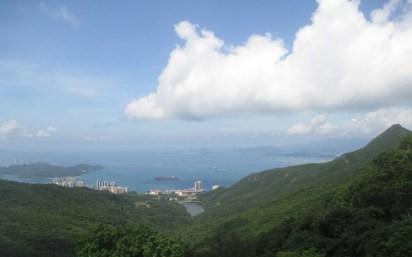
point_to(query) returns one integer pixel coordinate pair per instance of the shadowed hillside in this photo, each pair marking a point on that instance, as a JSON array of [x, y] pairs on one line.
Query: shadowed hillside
[[48, 220]]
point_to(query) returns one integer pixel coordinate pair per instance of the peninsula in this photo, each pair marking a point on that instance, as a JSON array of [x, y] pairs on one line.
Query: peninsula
[[45, 170]]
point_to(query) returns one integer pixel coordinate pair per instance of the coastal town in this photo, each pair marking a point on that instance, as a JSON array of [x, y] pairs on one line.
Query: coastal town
[[101, 185], [115, 188], [179, 194]]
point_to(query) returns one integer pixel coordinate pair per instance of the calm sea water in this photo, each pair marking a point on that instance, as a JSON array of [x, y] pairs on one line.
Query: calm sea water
[[137, 170]]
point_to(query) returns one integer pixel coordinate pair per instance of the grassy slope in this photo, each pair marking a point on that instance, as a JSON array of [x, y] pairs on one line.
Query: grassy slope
[[261, 200], [47, 220]]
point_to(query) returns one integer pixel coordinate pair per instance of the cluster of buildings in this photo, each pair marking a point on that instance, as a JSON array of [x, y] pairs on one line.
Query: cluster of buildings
[[68, 182], [189, 193], [111, 186], [102, 185]]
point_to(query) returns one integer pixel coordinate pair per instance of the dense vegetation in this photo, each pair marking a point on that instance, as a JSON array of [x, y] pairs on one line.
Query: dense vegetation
[[109, 241], [370, 215], [259, 202], [45, 170], [48, 220]]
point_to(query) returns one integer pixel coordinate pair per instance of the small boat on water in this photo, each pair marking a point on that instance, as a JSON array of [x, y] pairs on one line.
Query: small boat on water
[[216, 169]]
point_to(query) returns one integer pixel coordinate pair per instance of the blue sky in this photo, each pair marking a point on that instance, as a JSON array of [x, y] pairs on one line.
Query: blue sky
[[69, 71]]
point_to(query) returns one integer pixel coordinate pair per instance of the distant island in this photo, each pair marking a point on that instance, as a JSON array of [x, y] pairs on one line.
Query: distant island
[[297, 151], [166, 178], [45, 170]]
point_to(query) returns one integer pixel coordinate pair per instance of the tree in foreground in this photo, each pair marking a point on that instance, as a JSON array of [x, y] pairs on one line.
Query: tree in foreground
[[109, 241]]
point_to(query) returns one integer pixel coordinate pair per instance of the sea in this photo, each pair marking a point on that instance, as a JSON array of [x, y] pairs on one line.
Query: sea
[[138, 170]]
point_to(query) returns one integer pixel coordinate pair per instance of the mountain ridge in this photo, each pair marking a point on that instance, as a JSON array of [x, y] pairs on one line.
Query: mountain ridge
[[262, 198], [383, 142]]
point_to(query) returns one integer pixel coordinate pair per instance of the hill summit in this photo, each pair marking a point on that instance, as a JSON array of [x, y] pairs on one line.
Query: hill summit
[[389, 138]]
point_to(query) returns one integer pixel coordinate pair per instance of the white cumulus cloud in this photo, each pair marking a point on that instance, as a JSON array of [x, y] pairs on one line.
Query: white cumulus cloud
[[39, 133], [340, 61], [12, 127], [317, 125], [381, 119], [47, 132], [367, 124], [7, 128]]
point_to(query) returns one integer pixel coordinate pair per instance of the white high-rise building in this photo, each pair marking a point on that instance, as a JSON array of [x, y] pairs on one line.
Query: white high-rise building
[[110, 186], [198, 186]]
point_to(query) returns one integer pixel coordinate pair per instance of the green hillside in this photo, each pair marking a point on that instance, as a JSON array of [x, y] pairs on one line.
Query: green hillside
[[365, 213], [48, 220], [260, 201], [275, 184]]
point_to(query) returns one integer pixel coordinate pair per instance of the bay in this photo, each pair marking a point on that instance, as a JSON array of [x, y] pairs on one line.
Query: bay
[[138, 170]]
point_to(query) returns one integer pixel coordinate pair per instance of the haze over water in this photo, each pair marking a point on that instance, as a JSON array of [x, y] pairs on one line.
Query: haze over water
[[138, 170]]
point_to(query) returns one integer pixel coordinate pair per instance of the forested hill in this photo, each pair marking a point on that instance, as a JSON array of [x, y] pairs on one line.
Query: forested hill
[[271, 185], [369, 214], [260, 201], [48, 220]]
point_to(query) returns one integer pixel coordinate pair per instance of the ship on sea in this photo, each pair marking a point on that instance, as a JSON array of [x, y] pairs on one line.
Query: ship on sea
[[166, 178], [217, 170]]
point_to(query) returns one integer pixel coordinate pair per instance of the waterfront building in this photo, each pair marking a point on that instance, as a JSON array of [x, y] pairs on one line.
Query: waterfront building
[[68, 182], [155, 192], [104, 183], [185, 192], [198, 187], [173, 194], [110, 186]]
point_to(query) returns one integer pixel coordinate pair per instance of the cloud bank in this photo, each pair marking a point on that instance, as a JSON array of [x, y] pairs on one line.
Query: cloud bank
[[340, 61], [47, 132], [7, 128], [369, 123], [12, 127]]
